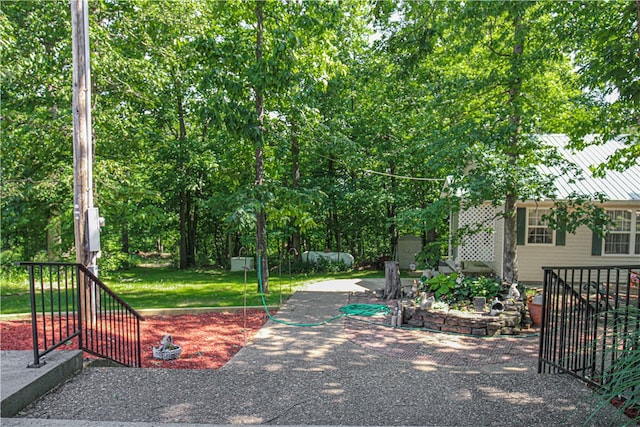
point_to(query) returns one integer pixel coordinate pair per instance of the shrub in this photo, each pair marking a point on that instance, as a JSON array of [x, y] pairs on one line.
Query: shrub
[[482, 287], [449, 288], [439, 285]]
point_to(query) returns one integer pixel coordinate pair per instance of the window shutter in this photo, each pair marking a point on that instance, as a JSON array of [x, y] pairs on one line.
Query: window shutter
[[521, 225], [561, 235], [596, 245]]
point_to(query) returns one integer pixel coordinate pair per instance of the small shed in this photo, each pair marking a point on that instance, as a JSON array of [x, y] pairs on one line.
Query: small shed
[[409, 246]]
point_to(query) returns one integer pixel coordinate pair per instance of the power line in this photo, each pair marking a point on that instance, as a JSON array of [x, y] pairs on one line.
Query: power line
[[393, 175]]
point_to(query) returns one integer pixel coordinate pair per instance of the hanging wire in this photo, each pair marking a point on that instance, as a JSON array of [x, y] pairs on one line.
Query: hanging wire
[[392, 175]]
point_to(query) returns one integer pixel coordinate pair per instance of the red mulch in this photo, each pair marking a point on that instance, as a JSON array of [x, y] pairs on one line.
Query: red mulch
[[208, 340]]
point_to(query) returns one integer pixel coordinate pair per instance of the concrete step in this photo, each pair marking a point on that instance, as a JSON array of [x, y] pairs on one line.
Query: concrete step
[[21, 385]]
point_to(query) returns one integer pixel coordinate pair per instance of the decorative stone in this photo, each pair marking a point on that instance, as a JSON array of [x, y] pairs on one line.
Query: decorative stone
[[456, 329], [432, 326], [479, 324]]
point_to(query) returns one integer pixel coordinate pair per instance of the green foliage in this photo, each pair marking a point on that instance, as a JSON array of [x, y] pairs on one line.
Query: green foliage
[[321, 266], [441, 285], [579, 210], [482, 287], [606, 54], [357, 135], [448, 288], [623, 376]]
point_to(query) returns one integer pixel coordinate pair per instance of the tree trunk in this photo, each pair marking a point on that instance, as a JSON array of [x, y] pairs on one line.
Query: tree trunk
[[392, 212], [183, 232], [392, 286], [124, 238], [54, 236], [261, 226], [510, 259], [332, 215], [510, 254], [192, 226], [185, 217]]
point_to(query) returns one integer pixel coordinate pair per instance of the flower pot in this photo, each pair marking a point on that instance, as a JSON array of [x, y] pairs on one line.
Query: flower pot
[[535, 311]]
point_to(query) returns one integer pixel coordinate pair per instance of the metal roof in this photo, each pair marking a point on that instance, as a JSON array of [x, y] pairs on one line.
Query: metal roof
[[621, 186]]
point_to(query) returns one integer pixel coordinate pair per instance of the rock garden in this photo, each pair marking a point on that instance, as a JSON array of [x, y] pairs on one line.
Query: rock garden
[[479, 306]]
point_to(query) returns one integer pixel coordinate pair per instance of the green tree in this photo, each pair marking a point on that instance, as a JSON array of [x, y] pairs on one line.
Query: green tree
[[36, 124], [605, 41], [492, 77]]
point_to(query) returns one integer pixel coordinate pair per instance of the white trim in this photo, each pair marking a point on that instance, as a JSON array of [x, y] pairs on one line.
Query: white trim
[[539, 226], [634, 219]]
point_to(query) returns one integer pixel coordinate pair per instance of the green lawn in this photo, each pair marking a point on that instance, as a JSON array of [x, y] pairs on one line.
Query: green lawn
[[167, 287]]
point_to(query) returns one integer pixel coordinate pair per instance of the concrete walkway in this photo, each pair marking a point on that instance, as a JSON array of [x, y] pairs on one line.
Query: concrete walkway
[[340, 373]]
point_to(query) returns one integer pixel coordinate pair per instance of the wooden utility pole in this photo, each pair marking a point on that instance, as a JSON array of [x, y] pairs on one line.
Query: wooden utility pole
[[80, 132], [82, 144], [86, 218]]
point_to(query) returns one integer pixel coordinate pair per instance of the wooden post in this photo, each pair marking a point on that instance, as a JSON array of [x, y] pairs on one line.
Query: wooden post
[[82, 151], [392, 286], [80, 123]]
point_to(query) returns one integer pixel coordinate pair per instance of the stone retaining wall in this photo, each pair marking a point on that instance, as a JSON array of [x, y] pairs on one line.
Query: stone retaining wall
[[511, 321]]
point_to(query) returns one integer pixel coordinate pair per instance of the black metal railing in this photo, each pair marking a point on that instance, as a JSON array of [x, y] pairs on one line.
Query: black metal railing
[[68, 302], [589, 320]]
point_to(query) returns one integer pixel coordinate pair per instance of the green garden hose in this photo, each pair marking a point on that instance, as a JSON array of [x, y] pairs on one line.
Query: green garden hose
[[362, 310], [347, 310]]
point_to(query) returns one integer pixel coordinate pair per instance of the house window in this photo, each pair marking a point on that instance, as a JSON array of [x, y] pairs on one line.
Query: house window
[[619, 238], [538, 232]]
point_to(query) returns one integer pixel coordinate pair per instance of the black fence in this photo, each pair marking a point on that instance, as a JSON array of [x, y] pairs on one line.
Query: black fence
[[70, 303], [589, 320]]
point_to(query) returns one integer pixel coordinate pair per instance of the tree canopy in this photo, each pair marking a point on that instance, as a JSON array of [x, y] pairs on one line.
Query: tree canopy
[[277, 127]]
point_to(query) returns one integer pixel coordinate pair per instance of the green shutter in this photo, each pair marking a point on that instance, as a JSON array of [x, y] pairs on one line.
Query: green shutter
[[521, 225], [561, 234], [596, 245]]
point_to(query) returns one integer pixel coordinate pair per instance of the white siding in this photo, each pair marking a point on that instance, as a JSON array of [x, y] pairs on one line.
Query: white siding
[[576, 253], [531, 258]]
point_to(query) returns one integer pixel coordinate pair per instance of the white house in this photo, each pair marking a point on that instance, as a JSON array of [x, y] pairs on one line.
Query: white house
[[538, 245]]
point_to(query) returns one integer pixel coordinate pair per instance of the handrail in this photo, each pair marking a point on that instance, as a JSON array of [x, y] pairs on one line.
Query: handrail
[[115, 296], [69, 301], [585, 337]]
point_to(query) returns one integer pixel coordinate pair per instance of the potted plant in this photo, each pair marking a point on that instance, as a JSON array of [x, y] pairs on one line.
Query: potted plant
[[534, 304], [167, 349]]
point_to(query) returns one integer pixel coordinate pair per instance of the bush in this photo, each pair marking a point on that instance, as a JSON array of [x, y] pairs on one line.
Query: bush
[[111, 262], [482, 287], [449, 288], [323, 265]]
